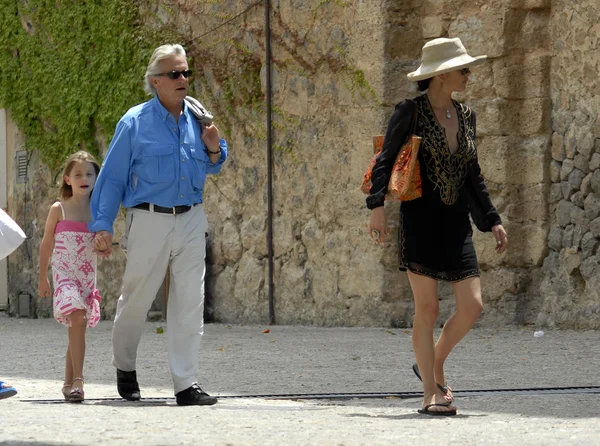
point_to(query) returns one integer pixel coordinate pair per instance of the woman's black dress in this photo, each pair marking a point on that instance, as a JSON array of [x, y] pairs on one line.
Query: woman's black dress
[[435, 234]]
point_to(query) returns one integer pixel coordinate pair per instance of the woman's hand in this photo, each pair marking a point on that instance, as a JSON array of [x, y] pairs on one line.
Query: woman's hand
[[378, 228], [501, 239], [44, 289]]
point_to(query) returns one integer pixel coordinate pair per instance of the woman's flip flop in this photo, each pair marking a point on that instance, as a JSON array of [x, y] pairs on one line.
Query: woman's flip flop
[[446, 413]]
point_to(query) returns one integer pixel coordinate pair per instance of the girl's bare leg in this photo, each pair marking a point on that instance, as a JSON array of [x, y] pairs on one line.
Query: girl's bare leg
[[77, 345], [68, 373]]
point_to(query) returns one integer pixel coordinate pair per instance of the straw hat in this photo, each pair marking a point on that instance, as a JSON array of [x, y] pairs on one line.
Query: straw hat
[[442, 56]]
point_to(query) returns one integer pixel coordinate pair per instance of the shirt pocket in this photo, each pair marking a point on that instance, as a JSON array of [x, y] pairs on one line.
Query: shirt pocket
[[156, 163], [199, 160]]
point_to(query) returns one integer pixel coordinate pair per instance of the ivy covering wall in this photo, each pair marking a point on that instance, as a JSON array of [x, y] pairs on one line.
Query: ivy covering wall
[[70, 69]]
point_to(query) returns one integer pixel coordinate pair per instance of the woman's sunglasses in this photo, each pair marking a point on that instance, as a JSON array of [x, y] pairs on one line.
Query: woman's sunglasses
[[175, 74]]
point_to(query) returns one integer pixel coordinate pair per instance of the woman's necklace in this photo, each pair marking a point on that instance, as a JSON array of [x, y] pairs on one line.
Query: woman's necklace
[[448, 114]]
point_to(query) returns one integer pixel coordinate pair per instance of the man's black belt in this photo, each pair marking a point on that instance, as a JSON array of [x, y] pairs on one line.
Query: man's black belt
[[162, 210]]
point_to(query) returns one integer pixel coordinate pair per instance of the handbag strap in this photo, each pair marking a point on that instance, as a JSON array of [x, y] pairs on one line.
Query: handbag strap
[[415, 118]]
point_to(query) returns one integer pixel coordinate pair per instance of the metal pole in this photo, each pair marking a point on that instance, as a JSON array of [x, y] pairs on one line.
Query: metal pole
[[269, 160]]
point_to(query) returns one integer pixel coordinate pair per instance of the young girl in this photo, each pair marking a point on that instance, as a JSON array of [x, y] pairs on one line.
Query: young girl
[[76, 299]]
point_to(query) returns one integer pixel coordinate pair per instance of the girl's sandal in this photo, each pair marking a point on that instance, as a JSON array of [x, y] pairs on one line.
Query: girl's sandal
[[66, 391], [76, 395]]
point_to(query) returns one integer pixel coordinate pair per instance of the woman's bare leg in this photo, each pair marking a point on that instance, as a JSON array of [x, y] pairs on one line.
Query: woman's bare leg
[[468, 308], [426, 312]]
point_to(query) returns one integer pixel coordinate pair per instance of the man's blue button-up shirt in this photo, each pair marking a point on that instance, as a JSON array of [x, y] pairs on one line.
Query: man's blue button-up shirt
[[152, 159]]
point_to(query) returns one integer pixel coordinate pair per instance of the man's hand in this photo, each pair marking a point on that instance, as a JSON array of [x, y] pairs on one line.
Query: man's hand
[[211, 138], [103, 243]]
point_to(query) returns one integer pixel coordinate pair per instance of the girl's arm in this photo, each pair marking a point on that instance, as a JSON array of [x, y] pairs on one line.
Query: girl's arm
[[46, 249]]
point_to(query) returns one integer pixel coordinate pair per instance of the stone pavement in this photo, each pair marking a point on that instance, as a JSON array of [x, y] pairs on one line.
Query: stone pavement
[[242, 360]]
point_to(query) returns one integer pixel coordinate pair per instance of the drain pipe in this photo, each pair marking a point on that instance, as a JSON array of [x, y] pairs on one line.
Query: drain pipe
[[269, 161]]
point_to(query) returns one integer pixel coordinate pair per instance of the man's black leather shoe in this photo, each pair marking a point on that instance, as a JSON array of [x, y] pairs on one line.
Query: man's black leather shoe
[[128, 386], [194, 396]]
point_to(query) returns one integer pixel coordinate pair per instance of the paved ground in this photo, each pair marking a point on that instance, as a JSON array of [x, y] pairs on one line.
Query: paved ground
[[241, 360]]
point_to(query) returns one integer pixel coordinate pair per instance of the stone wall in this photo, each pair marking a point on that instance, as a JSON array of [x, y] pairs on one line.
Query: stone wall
[[537, 145], [569, 295]]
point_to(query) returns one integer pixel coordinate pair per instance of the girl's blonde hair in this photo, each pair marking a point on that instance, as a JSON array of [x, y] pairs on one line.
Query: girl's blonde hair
[[66, 191]]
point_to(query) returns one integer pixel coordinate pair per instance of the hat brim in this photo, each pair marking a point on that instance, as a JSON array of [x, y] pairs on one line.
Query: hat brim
[[423, 73]]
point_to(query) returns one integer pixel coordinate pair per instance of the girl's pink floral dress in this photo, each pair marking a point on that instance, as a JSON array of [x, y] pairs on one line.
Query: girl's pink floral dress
[[74, 272]]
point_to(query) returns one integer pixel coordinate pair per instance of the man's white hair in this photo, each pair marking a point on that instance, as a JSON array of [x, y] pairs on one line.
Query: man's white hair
[[160, 53]]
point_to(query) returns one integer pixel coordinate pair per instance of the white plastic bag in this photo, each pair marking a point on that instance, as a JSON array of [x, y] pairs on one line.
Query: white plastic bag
[[11, 235]]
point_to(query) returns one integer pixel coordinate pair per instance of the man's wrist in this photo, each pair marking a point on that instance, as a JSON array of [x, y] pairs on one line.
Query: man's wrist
[[218, 152]]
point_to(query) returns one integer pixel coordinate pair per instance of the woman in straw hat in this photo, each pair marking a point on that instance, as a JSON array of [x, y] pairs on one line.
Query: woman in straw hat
[[435, 234]]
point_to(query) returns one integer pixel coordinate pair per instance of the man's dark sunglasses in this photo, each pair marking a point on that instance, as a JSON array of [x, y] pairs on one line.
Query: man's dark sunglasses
[[465, 71], [175, 74]]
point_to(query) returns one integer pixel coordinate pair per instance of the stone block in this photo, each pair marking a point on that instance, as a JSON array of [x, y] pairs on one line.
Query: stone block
[[432, 27], [563, 212], [482, 32], [555, 194], [585, 143], [527, 246], [558, 149], [561, 119], [231, 242], [250, 287], [592, 206], [578, 199], [581, 162], [570, 143], [578, 215], [594, 163], [586, 184], [522, 203], [595, 227], [575, 178], [570, 260], [352, 284], [526, 117], [567, 167], [522, 77], [579, 230], [530, 4], [567, 190], [513, 160], [555, 168], [496, 282], [253, 233], [527, 30], [567, 240], [595, 182], [555, 237], [589, 245]]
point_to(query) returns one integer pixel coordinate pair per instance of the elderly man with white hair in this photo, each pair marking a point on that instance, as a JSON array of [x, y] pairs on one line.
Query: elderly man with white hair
[[156, 166]]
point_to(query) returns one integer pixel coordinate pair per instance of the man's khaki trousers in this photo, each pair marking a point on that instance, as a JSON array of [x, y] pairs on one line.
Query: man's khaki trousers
[[155, 241]]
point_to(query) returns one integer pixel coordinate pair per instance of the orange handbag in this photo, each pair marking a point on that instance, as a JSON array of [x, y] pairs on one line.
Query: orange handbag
[[405, 181]]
